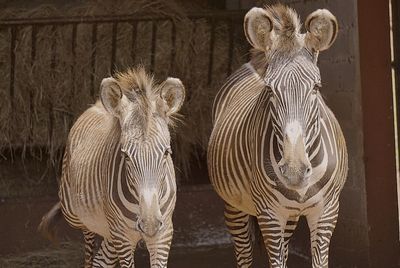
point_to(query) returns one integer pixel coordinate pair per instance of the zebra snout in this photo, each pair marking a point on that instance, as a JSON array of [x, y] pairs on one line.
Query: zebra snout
[[149, 227], [295, 172]]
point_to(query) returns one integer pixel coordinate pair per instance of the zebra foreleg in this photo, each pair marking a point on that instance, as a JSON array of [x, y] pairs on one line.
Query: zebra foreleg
[[291, 225], [124, 249], [106, 256], [159, 247], [273, 232], [321, 230], [239, 227]]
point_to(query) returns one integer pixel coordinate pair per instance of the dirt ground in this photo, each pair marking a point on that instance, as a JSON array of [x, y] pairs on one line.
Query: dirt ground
[[200, 237], [69, 255]]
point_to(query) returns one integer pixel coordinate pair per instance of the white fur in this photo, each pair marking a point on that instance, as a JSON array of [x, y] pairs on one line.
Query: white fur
[[294, 131]]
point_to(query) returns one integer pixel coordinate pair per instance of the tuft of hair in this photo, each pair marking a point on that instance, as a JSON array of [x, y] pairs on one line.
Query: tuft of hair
[[137, 84], [135, 80], [47, 226], [140, 86], [288, 38], [286, 24]]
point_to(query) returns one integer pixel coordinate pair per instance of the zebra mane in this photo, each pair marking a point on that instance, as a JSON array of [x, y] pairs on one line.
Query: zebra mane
[[286, 25], [140, 87]]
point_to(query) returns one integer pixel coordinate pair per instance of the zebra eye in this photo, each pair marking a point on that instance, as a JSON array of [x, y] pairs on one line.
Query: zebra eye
[[167, 152], [317, 88], [125, 156]]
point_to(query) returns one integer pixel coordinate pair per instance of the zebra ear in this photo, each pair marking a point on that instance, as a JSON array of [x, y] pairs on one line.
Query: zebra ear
[[110, 94], [322, 29], [258, 28], [173, 93]]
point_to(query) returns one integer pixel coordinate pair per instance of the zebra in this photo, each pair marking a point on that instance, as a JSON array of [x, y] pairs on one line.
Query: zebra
[[276, 151], [118, 180]]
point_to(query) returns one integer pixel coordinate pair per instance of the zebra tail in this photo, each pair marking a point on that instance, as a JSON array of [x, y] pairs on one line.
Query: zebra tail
[[47, 226]]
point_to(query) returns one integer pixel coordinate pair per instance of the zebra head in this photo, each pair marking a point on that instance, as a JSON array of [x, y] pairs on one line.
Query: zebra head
[[286, 60], [145, 111]]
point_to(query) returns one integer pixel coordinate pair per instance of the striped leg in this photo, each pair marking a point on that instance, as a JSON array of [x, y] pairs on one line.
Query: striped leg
[[321, 230], [289, 230], [159, 247], [89, 238], [273, 232], [106, 256], [239, 227], [125, 250]]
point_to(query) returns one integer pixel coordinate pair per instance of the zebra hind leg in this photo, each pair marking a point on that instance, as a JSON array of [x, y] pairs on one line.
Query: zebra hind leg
[[238, 224]]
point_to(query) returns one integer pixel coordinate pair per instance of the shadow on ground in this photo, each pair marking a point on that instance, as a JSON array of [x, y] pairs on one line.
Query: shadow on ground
[[70, 254]]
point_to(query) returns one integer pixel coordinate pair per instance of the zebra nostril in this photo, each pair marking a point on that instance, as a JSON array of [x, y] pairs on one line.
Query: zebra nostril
[[282, 169], [308, 171], [160, 225], [140, 227]]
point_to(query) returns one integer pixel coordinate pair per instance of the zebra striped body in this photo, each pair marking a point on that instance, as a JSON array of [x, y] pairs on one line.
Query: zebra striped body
[[256, 115], [95, 193], [118, 178]]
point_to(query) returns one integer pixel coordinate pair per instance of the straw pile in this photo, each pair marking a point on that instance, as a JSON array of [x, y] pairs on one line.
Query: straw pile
[[53, 85]]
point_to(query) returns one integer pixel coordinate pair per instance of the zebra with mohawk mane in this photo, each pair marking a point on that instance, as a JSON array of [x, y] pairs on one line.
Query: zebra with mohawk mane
[[118, 178], [276, 151]]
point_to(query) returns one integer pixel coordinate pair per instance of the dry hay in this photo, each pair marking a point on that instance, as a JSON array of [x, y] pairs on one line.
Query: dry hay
[[56, 87]]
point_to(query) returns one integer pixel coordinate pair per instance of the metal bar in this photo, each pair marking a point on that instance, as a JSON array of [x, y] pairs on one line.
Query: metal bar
[[33, 44], [231, 30], [53, 49], [193, 54], [119, 18], [211, 55], [396, 60], [173, 49], [134, 36], [73, 50], [93, 59], [51, 124], [31, 93], [153, 45], [395, 16], [12, 63], [113, 47]]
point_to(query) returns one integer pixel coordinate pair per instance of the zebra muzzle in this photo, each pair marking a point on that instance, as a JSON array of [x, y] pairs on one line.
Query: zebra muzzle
[[296, 175], [149, 227], [150, 218]]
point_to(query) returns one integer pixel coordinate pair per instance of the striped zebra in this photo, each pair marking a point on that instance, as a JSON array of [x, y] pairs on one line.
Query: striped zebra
[[276, 151], [118, 177]]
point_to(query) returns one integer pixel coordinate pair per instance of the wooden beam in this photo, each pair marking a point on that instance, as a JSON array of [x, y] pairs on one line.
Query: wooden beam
[[378, 127]]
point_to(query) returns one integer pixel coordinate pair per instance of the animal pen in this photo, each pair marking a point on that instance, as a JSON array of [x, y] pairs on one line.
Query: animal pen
[[52, 63]]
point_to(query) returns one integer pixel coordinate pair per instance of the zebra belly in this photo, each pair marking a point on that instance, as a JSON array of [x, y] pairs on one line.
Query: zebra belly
[[242, 201], [80, 215], [95, 221], [238, 197]]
